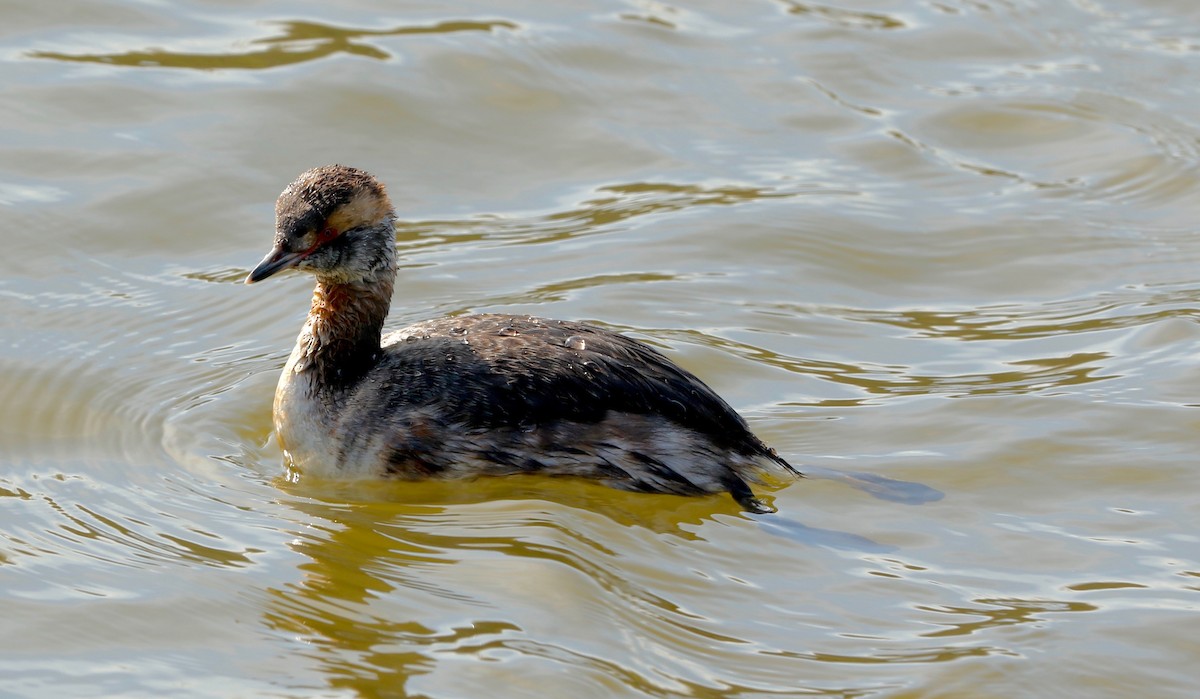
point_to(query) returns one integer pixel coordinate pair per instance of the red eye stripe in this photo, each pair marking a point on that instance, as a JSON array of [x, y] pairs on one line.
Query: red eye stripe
[[327, 234]]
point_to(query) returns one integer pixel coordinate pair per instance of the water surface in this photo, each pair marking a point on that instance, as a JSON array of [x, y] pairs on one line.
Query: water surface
[[943, 244]]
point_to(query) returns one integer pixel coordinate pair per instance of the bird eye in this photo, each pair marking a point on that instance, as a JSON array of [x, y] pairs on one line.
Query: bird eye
[[328, 234]]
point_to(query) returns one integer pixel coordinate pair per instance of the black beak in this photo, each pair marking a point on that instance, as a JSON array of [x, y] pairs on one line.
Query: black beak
[[276, 261]]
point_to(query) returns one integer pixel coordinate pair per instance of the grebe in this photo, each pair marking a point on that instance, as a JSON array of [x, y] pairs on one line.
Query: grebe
[[478, 394]]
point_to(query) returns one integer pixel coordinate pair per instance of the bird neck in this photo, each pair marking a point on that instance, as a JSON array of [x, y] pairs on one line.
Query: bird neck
[[340, 341]]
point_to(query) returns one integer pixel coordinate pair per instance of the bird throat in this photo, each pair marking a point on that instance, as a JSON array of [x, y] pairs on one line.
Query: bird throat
[[340, 341]]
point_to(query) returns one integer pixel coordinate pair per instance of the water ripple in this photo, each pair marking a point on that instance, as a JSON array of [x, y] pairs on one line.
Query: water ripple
[[841, 17], [842, 216], [604, 209], [298, 42], [1102, 312]]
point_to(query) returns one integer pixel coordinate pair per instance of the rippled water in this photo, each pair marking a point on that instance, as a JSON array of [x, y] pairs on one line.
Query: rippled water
[[927, 248]]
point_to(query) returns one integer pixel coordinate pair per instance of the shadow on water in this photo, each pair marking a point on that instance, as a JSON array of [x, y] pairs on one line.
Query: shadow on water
[[905, 492], [777, 525], [881, 487]]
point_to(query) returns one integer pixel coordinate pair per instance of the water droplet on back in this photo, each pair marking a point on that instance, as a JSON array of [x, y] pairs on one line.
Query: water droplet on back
[[575, 342]]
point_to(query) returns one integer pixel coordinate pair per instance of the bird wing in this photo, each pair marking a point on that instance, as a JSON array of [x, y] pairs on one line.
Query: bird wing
[[519, 371]]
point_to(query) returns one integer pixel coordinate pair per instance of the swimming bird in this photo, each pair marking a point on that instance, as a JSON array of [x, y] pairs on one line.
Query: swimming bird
[[473, 395]]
